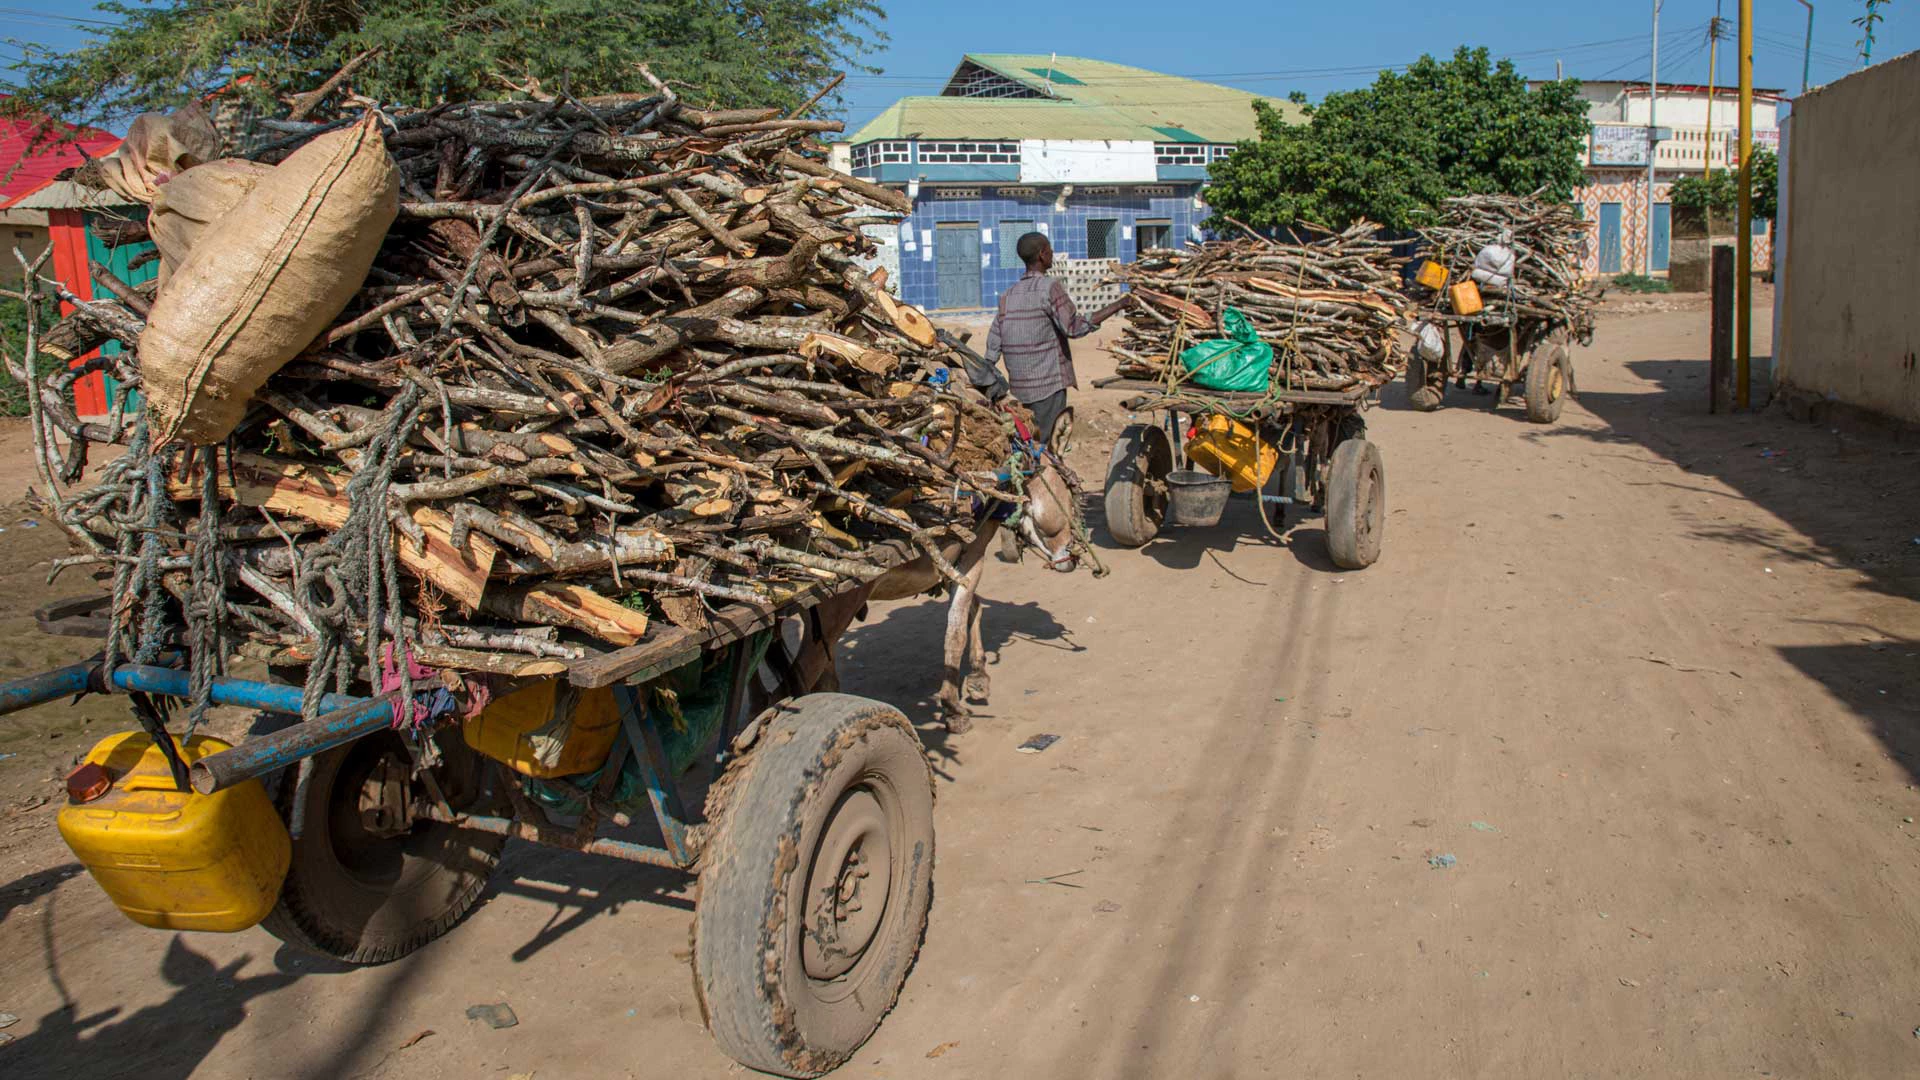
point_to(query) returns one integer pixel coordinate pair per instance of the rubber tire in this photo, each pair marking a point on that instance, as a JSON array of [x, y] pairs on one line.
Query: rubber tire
[[1356, 504], [1131, 519], [1543, 407], [326, 910], [760, 1005]]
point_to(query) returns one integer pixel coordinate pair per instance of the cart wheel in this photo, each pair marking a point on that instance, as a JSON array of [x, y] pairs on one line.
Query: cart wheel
[[1136, 500], [1356, 504], [366, 895], [814, 885], [1549, 377], [1062, 441]]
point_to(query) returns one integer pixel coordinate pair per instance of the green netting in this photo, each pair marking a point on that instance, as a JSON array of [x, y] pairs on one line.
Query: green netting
[[1239, 362]]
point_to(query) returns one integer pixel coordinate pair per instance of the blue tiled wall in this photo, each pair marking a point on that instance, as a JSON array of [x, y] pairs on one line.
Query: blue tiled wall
[[919, 280]]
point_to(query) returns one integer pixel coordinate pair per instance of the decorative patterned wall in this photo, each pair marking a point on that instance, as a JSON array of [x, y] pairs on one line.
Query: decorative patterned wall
[[1628, 188]]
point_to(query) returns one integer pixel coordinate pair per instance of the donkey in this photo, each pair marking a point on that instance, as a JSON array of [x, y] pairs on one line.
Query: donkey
[[1046, 524]]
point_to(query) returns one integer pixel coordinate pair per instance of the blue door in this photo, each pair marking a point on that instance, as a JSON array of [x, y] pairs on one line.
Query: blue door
[[1662, 233], [956, 256], [1609, 237]]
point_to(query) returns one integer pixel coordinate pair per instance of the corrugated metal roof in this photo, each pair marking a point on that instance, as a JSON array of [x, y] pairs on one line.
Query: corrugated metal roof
[[67, 195], [60, 146], [1090, 99]]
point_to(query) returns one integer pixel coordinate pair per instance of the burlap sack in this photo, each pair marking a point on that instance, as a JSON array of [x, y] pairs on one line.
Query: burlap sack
[[157, 148], [261, 283], [194, 200]]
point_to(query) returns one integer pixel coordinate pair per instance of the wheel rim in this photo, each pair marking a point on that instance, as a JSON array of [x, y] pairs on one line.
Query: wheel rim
[[1369, 504], [1556, 379], [848, 887]]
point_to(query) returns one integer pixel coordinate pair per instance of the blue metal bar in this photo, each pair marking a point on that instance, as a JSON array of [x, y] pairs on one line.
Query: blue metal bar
[[70, 681], [618, 849], [256, 757], [657, 772], [245, 693]]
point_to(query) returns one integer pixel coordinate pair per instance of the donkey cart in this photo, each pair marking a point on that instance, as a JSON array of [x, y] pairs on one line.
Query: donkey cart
[[352, 837], [1305, 449]]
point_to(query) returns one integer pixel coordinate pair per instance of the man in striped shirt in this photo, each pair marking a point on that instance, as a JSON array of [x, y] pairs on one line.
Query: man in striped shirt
[[1030, 333]]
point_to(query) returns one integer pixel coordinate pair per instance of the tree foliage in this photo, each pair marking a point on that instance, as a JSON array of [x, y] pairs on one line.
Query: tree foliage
[[1396, 148], [166, 53], [1718, 192]]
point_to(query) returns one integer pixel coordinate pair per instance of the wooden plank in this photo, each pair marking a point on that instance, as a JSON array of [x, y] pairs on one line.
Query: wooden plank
[[671, 646], [315, 495], [574, 607], [1352, 395]]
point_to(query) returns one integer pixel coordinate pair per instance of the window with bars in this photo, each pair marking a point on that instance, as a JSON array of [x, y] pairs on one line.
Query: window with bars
[[892, 152], [1153, 233], [1103, 238], [969, 153]]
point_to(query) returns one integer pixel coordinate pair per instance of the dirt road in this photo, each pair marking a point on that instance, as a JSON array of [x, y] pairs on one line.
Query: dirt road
[[1647, 678]]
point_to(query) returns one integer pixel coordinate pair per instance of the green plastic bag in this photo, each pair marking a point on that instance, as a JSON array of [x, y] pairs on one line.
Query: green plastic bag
[[1240, 362]]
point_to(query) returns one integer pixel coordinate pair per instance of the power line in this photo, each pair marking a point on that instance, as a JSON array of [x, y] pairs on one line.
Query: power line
[[49, 16]]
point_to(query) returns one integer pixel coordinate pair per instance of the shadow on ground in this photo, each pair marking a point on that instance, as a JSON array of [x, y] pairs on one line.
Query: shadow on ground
[[900, 657], [1844, 498]]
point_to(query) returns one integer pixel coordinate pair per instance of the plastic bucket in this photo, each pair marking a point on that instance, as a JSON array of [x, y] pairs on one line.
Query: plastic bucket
[[1197, 498]]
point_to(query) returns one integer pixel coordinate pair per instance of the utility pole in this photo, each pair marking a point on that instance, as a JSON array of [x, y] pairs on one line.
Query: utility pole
[[1653, 145], [1743, 222], [1806, 54], [1715, 31]]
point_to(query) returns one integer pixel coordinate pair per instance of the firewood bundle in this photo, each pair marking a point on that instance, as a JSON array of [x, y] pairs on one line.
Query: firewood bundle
[[616, 360], [1328, 305], [1549, 244]]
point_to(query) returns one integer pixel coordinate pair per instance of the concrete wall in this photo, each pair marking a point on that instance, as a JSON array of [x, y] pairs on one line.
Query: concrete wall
[[25, 231], [1850, 268]]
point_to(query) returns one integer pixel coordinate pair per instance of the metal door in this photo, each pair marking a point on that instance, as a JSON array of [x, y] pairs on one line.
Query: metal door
[[1662, 233], [1609, 237], [956, 254]]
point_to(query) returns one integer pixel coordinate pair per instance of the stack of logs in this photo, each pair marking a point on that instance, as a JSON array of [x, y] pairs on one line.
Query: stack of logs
[[616, 360], [1549, 244], [1329, 305]]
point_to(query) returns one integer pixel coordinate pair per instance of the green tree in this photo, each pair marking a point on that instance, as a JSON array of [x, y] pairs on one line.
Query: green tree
[[1390, 151], [168, 52], [1718, 192]]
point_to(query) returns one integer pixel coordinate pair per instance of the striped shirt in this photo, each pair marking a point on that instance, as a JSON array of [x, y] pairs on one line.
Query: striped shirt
[[1030, 333]]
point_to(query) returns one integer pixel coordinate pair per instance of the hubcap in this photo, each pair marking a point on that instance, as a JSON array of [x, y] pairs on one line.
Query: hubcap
[[847, 887]]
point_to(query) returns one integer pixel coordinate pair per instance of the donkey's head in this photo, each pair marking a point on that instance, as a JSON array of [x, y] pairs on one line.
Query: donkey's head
[[1051, 522]]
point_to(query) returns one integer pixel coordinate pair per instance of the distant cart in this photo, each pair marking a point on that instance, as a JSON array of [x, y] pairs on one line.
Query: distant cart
[[1517, 347], [359, 843], [1304, 450]]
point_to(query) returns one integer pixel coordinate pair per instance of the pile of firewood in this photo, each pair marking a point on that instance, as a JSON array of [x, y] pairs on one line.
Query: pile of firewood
[[1549, 244], [1329, 306], [616, 361]]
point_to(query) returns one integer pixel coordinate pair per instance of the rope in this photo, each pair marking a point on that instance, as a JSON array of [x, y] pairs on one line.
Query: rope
[[206, 606], [354, 577]]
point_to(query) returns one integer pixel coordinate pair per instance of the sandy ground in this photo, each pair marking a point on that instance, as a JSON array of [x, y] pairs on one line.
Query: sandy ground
[[1646, 676]]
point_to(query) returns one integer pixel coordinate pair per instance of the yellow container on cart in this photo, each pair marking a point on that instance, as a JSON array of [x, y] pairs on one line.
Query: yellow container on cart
[[177, 860], [1226, 447], [548, 729]]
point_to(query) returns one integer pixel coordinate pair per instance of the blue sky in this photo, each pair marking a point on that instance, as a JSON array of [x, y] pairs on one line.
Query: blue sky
[[1274, 46]]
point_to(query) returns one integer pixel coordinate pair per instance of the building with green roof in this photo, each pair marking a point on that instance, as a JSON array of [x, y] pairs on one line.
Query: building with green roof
[[1106, 159]]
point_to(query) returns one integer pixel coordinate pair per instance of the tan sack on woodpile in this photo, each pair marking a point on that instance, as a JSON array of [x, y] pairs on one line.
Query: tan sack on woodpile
[[259, 285], [194, 200], [157, 148]]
